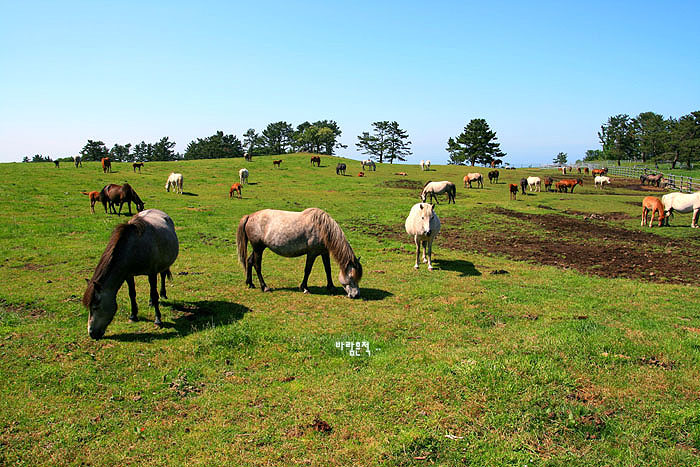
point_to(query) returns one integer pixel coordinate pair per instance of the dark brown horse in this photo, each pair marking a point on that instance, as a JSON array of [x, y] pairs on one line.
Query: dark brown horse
[[276, 163], [56, 163], [121, 194], [493, 176], [106, 165], [523, 184], [568, 184], [513, 188], [138, 165], [316, 160], [548, 183]]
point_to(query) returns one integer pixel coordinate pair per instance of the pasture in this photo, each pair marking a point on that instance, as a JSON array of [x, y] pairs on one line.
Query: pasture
[[554, 329]]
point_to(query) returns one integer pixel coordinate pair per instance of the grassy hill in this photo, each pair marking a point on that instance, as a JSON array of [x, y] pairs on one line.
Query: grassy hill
[[554, 330]]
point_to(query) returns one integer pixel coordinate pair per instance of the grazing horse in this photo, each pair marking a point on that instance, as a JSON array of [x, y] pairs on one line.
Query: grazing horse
[[276, 164], [237, 188], [316, 160], [568, 184], [361, 174], [603, 171], [174, 181], [548, 183], [425, 165], [437, 188], [146, 245], [340, 168], [106, 165], [493, 175], [56, 163], [474, 177], [137, 165], [423, 225], [600, 179], [513, 189], [370, 164], [655, 179], [523, 184], [683, 203], [652, 204], [78, 161], [247, 156], [121, 194], [534, 183], [243, 176], [311, 232], [642, 179], [94, 198]]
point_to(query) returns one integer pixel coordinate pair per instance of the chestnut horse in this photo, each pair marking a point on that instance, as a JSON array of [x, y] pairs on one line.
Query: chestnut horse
[[236, 187], [653, 205], [94, 197], [106, 165], [595, 172], [316, 160], [565, 185], [513, 188], [276, 163], [121, 194]]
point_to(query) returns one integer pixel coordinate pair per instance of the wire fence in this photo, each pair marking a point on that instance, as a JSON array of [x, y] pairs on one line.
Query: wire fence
[[674, 182]]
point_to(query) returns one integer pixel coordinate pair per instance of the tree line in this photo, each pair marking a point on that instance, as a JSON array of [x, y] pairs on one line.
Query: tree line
[[649, 137]]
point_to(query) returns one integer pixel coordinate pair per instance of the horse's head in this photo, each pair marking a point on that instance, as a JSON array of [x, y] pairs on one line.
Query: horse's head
[[350, 278], [101, 307]]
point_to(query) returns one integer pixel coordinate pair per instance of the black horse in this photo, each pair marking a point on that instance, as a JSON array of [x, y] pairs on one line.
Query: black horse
[[523, 184], [340, 168], [493, 175]]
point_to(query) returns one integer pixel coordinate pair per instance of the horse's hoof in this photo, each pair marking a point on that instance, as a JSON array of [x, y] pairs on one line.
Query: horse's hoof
[[133, 319], [164, 296], [430, 268], [415, 266], [306, 290], [158, 323], [267, 289], [250, 286]]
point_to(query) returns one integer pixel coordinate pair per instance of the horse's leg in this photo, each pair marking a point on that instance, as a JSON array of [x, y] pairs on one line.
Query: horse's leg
[[310, 258], [694, 219], [424, 244], [327, 266], [257, 262], [644, 216], [430, 253], [163, 293], [249, 271], [418, 242], [132, 297], [153, 281]]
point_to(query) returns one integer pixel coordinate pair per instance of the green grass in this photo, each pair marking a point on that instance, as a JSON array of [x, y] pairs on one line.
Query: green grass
[[541, 366]]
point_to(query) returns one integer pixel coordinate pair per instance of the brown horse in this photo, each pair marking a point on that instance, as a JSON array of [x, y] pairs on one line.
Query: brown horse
[[138, 165], [276, 163], [652, 204], [361, 174], [316, 160], [595, 172], [585, 170], [106, 165], [568, 184], [94, 197], [236, 187], [548, 183], [121, 194], [513, 188], [655, 179]]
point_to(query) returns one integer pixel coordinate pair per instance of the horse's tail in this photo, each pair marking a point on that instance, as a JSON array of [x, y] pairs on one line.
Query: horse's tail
[[85, 193], [168, 274], [453, 189], [242, 241]]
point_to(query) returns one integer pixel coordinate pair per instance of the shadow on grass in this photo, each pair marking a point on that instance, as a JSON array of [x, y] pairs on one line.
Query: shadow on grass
[[465, 268], [187, 193], [251, 183], [189, 317], [365, 293]]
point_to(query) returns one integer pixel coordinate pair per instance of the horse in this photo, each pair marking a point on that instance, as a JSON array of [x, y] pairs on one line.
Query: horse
[[340, 168], [436, 188], [474, 177], [248, 157], [548, 183], [496, 162], [585, 170], [403, 174], [276, 164], [243, 176], [137, 165], [493, 175], [316, 160], [237, 188], [78, 161], [290, 234], [122, 194], [683, 203], [174, 181], [561, 187], [56, 163], [146, 245], [569, 184], [423, 225], [603, 171], [523, 184], [94, 197], [642, 179], [513, 188], [579, 169], [427, 165], [652, 204], [361, 174], [563, 170], [600, 179], [655, 179], [534, 183], [106, 165], [370, 164]]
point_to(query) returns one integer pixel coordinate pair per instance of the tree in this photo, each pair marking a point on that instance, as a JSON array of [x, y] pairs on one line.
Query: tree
[[163, 150], [40, 158], [121, 153], [593, 154], [619, 138], [652, 133], [560, 159], [397, 143], [25, 159], [477, 143], [320, 137], [143, 152], [684, 139], [216, 146], [251, 141], [277, 137], [94, 151], [375, 144]]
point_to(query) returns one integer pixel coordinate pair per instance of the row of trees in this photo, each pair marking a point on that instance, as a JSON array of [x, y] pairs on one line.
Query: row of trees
[[386, 142], [650, 137]]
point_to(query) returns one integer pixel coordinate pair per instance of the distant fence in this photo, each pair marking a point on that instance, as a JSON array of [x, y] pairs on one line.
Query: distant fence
[[676, 182]]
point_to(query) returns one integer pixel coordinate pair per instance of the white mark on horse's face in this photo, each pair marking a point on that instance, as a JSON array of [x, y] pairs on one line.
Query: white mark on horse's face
[[347, 280]]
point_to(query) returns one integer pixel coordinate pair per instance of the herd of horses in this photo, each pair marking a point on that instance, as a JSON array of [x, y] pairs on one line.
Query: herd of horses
[[147, 244]]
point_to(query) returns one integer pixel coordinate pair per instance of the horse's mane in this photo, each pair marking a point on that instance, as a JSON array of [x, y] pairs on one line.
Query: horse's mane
[[334, 239], [426, 184], [119, 237]]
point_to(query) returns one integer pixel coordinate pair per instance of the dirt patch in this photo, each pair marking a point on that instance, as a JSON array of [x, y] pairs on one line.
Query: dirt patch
[[403, 183], [607, 216]]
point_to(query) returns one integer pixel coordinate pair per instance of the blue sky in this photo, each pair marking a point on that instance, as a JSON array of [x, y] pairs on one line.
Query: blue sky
[[544, 75]]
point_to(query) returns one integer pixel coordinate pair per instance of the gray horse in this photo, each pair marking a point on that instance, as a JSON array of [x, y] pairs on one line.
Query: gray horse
[[311, 232], [145, 246]]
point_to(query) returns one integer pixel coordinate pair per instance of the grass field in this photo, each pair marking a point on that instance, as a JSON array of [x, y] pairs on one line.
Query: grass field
[[586, 352]]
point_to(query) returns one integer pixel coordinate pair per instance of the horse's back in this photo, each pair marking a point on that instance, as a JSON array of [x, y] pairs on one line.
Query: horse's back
[[287, 233], [158, 239]]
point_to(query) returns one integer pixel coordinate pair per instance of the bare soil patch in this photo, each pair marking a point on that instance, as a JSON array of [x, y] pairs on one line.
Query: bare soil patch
[[403, 183]]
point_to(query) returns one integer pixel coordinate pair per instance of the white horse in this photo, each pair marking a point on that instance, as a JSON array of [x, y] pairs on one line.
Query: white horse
[[174, 181], [601, 179], [243, 175], [369, 163], [534, 183], [423, 225], [426, 165], [437, 188], [422, 164], [682, 202]]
